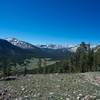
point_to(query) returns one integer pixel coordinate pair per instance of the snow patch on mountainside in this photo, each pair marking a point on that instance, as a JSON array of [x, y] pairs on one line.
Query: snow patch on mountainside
[[20, 44], [25, 45]]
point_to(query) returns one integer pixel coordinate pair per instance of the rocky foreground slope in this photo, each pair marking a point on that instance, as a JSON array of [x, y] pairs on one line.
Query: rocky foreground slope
[[52, 87]]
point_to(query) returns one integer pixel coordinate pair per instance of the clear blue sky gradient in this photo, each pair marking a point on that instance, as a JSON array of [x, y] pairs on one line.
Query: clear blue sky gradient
[[51, 21]]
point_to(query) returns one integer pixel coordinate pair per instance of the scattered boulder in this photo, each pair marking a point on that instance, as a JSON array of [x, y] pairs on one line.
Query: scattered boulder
[[10, 78]]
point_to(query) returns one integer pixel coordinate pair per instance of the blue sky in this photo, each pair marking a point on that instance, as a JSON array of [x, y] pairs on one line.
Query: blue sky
[[51, 21]]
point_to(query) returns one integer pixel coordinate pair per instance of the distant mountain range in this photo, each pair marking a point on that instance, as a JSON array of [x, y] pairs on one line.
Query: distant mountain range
[[18, 52], [10, 51], [25, 45], [52, 51], [14, 48], [21, 44]]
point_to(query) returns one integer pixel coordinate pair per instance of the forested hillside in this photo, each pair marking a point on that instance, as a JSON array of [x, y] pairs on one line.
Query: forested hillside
[[85, 59]]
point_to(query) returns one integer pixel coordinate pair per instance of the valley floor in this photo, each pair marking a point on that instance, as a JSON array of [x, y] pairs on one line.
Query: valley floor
[[84, 86]]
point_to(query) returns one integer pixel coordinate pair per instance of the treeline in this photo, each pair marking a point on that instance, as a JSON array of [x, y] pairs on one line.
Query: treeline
[[85, 59]]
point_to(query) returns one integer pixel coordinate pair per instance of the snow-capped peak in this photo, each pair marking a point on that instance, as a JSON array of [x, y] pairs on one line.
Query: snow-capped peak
[[20, 44]]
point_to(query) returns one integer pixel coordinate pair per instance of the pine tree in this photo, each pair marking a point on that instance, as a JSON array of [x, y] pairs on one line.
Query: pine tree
[[39, 65], [97, 59], [26, 62], [6, 67], [82, 58], [25, 71], [44, 65]]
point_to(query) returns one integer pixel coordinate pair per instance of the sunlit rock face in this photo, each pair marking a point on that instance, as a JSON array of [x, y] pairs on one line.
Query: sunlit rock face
[[20, 43]]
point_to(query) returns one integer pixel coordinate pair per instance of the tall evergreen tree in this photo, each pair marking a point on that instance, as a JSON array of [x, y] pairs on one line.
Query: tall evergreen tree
[[44, 65], [39, 65], [26, 62]]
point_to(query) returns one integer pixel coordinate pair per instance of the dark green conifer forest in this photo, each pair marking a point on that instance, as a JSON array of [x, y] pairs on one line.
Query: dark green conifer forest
[[85, 59]]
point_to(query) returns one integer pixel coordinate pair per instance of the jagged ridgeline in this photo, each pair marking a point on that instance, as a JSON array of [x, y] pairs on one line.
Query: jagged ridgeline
[[45, 51], [15, 51], [20, 50], [35, 59], [7, 50]]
